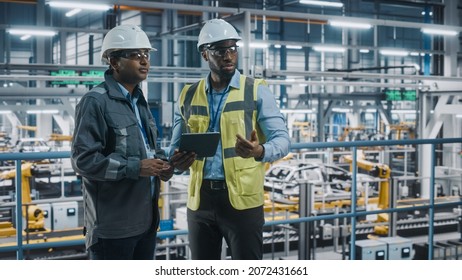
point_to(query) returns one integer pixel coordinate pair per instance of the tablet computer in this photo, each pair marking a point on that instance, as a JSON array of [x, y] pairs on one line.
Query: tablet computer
[[203, 144]]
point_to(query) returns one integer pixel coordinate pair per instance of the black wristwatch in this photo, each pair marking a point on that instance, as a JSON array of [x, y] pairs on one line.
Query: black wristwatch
[[262, 153]]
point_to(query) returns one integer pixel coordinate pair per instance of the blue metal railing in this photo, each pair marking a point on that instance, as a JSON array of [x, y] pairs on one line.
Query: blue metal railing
[[354, 145], [18, 157]]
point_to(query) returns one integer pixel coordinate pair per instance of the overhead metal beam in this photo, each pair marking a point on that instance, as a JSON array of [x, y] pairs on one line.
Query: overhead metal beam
[[81, 67], [341, 96], [280, 14], [233, 11], [351, 76], [163, 79], [15, 93]]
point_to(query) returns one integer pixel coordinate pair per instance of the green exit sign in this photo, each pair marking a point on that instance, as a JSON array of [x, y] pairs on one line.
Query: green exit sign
[[393, 95], [400, 95], [409, 95], [98, 75], [64, 73], [92, 73]]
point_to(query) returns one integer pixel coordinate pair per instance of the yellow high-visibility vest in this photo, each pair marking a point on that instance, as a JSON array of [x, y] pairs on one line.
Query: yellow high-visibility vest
[[244, 176]]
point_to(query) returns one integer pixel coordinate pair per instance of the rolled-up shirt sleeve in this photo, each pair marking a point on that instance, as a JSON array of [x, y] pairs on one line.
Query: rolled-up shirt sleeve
[[273, 126], [176, 132]]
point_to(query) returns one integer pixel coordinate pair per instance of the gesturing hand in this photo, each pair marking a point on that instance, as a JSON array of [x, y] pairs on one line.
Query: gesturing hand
[[249, 148]]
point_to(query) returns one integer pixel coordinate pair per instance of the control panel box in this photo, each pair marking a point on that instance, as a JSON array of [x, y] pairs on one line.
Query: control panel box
[[65, 215], [398, 248], [370, 250]]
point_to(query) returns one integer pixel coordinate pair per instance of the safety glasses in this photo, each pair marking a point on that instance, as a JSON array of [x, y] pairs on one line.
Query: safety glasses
[[132, 54], [222, 51]]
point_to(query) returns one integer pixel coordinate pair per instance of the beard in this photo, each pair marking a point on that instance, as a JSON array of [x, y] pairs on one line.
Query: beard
[[227, 75], [220, 69]]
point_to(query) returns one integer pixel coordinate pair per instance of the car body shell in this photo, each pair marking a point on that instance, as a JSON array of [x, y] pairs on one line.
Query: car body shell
[[329, 182]]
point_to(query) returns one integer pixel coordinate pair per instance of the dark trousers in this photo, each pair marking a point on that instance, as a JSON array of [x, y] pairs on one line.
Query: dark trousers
[[215, 219], [138, 247]]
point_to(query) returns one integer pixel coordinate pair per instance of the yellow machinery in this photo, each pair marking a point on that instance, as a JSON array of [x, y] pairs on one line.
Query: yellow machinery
[[305, 130], [401, 128], [383, 172], [375, 169], [27, 127], [60, 137], [347, 130], [33, 215]]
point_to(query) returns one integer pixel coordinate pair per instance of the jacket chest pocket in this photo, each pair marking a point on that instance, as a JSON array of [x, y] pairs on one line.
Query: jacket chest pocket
[[197, 124], [125, 137]]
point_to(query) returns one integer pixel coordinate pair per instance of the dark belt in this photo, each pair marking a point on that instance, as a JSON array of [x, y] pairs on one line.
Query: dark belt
[[214, 185]]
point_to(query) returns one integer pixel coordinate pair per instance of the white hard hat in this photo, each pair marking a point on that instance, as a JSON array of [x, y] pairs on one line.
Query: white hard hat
[[216, 30], [124, 37]]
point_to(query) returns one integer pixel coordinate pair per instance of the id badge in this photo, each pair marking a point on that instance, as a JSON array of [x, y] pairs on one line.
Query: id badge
[[151, 153]]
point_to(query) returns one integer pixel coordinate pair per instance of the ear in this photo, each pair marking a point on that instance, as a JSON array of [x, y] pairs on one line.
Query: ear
[[114, 63], [205, 56]]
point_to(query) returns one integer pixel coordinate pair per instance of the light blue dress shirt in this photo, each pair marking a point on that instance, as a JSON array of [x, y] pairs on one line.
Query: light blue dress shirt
[[133, 100], [269, 118], [151, 153]]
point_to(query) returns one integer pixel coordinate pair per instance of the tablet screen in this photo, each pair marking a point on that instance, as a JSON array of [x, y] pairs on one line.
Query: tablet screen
[[203, 144]]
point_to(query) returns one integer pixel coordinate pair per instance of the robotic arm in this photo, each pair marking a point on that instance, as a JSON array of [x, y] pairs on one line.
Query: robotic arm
[[375, 169], [33, 215]]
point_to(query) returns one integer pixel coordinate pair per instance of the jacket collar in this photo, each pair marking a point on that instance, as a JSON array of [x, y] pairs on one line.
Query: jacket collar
[[114, 89]]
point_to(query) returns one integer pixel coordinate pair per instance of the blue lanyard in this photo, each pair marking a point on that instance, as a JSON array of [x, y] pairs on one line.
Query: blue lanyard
[[138, 117], [213, 118]]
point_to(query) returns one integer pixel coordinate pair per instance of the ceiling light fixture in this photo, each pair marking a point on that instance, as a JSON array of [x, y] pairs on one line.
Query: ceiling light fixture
[[297, 111], [73, 12], [322, 3], [292, 47], [346, 24], [442, 32], [329, 49], [51, 111], [259, 45], [341, 110], [364, 51], [77, 5], [394, 52], [36, 32], [255, 45], [403, 111]]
